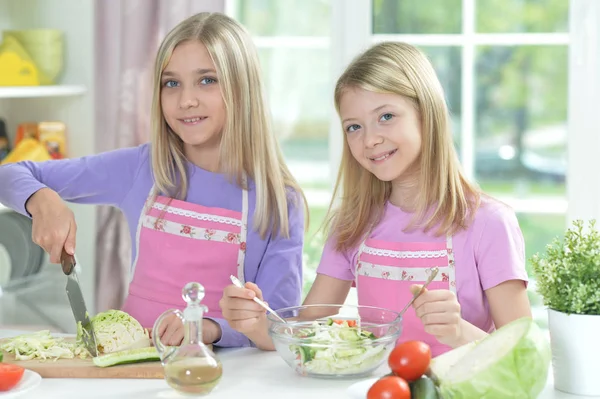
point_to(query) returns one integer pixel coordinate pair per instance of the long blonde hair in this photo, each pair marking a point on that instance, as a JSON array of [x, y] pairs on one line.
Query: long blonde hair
[[248, 144], [444, 196]]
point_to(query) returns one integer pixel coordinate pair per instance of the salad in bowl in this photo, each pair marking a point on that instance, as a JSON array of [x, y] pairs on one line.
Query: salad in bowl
[[335, 341]]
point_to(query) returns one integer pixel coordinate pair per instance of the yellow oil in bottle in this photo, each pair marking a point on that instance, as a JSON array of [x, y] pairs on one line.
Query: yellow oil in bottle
[[193, 376]]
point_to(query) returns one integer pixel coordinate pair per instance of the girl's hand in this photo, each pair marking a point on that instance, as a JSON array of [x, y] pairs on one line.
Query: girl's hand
[[53, 223], [239, 309], [439, 312], [171, 331]]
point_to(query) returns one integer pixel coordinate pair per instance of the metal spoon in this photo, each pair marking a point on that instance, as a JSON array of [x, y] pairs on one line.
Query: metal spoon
[[434, 272], [239, 284]]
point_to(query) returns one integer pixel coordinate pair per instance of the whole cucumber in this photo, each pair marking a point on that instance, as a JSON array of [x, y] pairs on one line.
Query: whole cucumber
[[424, 388]]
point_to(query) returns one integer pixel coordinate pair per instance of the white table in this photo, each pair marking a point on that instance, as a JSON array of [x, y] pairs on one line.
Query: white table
[[248, 373]]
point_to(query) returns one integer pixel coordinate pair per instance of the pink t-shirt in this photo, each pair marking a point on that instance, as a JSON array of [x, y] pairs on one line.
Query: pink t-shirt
[[490, 252]]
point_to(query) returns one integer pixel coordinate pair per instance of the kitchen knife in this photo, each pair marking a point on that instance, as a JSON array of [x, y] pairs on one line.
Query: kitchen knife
[[77, 302]]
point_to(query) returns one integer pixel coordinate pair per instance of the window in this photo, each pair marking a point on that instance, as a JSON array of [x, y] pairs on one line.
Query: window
[[505, 80]]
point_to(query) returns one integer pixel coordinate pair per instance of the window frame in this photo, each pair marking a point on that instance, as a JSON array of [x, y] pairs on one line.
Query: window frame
[[351, 32]]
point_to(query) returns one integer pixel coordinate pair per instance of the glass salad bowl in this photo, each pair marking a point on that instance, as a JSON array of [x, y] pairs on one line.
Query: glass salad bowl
[[335, 341]]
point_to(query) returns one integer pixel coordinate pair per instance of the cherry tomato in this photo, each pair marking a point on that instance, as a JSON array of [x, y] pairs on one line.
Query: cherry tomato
[[389, 388], [410, 360], [10, 375]]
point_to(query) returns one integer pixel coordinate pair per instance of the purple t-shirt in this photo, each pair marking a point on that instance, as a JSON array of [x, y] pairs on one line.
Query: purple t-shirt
[[123, 178], [488, 253]]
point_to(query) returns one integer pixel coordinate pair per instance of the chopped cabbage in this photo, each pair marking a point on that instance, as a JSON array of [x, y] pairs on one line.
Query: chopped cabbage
[[42, 345], [337, 348], [114, 330]]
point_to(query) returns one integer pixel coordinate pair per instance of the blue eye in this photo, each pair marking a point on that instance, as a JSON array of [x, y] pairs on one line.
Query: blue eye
[[207, 81], [352, 128], [170, 83], [386, 117]]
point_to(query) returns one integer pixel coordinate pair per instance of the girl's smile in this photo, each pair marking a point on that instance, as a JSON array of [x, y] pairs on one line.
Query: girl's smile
[[191, 121], [382, 157]]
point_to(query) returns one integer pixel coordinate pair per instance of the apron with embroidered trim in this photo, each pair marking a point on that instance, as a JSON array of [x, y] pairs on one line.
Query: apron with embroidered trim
[[179, 242], [386, 270]]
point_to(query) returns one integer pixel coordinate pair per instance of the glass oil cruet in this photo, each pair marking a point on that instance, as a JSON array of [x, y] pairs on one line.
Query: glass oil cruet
[[191, 368]]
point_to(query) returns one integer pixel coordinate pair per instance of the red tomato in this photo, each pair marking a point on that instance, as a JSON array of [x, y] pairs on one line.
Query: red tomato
[[389, 388], [410, 360], [10, 375]]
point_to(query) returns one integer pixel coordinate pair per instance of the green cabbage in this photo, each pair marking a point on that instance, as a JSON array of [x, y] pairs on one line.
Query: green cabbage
[[116, 331], [442, 364], [512, 362]]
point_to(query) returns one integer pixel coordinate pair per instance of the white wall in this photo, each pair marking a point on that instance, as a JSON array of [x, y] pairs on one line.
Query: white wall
[[583, 178]]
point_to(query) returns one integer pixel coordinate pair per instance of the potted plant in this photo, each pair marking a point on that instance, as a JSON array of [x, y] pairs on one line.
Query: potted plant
[[568, 279]]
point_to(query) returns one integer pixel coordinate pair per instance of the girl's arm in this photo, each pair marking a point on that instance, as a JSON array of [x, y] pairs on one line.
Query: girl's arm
[[508, 302], [328, 290], [332, 284], [104, 178], [500, 257]]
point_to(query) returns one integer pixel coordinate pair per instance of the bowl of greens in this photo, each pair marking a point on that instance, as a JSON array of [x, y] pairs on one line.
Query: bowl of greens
[[335, 341]]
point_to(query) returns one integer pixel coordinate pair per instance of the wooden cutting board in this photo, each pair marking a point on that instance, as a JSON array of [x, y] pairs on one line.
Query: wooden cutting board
[[85, 368]]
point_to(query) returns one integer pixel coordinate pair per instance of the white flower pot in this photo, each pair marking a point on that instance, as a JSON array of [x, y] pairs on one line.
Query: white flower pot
[[575, 352]]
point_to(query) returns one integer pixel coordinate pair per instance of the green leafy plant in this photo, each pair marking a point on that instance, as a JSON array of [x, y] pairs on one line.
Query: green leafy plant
[[568, 274]]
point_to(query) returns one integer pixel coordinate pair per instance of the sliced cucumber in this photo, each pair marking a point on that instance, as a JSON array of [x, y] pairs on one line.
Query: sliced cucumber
[[128, 356], [367, 334], [350, 335], [307, 353]]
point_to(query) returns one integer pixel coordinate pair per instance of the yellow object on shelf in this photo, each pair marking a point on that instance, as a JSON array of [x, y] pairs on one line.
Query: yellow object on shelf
[[16, 67], [28, 149], [46, 49], [26, 130]]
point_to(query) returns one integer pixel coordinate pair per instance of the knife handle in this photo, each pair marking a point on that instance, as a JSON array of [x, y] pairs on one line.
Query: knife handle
[[67, 262]]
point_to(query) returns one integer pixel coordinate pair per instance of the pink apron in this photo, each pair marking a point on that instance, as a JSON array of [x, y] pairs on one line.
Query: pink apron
[[386, 270], [179, 242]]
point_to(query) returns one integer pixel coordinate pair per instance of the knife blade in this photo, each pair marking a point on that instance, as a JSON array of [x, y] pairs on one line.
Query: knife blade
[[77, 302]]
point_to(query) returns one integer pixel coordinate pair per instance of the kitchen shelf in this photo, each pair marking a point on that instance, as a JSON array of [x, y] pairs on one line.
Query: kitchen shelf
[[41, 91]]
